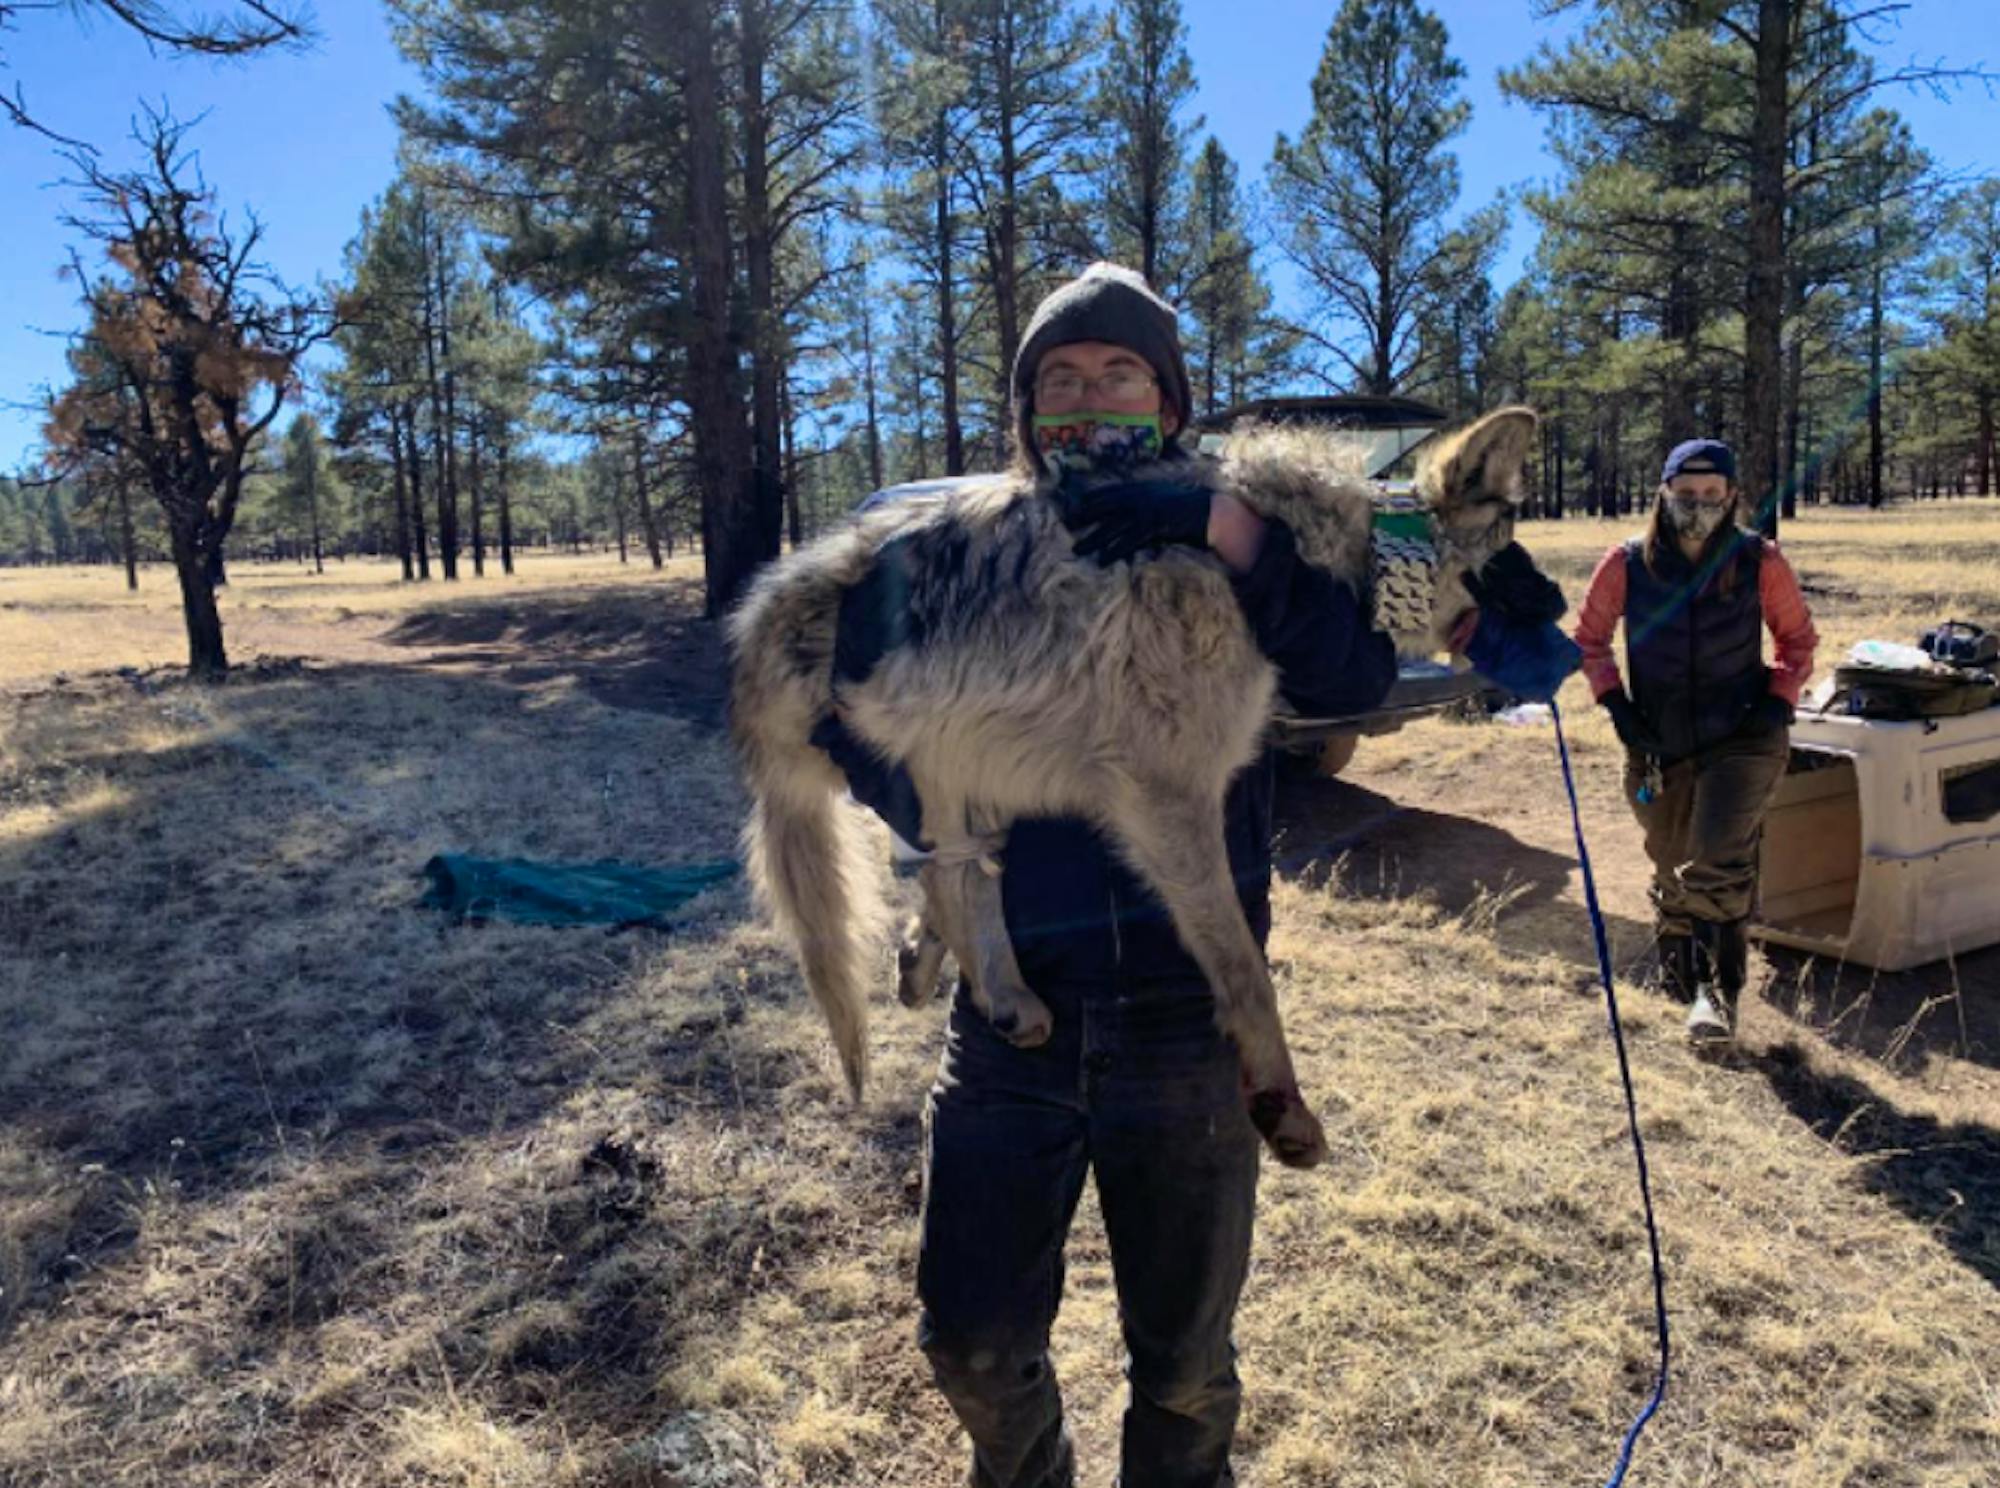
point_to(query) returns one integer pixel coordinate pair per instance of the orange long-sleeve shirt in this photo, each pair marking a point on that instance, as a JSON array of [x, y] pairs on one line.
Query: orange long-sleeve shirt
[[1785, 615]]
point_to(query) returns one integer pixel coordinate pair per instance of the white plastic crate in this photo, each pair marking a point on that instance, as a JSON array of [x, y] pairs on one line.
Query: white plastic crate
[[1882, 846]]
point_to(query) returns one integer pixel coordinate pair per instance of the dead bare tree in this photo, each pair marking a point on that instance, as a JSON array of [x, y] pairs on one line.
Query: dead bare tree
[[190, 352]]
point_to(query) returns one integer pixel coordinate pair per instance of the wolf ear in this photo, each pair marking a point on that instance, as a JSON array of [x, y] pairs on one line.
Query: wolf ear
[[1481, 462]]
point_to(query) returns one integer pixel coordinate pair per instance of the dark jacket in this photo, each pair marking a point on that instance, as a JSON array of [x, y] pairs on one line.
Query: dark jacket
[[1077, 914], [1694, 635]]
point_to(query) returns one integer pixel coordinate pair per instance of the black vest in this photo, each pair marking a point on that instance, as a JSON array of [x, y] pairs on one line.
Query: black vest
[[1695, 653]]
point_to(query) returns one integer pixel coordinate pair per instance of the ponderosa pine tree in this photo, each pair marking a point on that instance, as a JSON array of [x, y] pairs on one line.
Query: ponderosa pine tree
[[1366, 190]]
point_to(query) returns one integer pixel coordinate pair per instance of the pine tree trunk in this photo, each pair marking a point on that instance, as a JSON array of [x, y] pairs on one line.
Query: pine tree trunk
[[1005, 250], [1764, 291], [870, 398], [126, 538], [448, 490], [794, 518], [730, 531], [478, 513], [312, 505], [1795, 358], [647, 525], [1875, 490], [1809, 471], [1985, 455], [447, 519], [416, 467], [1681, 318], [947, 309], [506, 506], [759, 256], [402, 497], [1555, 505]]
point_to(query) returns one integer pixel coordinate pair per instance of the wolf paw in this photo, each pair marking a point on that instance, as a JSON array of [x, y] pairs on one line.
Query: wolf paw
[[1024, 1020], [919, 969], [1291, 1131]]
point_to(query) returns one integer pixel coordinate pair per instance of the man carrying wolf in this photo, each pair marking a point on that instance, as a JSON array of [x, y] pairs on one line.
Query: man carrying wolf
[[1136, 1084]]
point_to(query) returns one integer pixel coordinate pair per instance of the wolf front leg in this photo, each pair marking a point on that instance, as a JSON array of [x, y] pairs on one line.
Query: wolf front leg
[[1173, 837]]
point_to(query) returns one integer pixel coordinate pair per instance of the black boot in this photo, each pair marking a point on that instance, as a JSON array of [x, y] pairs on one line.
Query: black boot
[[1732, 964], [1677, 969], [1711, 1021]]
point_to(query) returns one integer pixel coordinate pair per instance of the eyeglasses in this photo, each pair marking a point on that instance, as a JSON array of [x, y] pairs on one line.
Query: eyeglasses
[[1119, 385]]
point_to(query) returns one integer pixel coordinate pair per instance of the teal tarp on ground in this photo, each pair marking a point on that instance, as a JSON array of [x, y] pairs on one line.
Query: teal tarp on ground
[[532, 893]]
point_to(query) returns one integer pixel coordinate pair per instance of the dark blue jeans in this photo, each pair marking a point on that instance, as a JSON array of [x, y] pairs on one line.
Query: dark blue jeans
[[1138, 1086]]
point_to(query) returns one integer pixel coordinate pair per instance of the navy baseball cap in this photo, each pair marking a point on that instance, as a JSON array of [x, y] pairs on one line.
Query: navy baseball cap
[[1699, 457]]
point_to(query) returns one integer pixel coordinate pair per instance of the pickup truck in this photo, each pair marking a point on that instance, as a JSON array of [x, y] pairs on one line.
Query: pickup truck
[[1388, 432]]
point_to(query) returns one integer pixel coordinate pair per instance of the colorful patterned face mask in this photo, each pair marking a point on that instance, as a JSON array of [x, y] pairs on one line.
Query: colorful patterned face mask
[[1096, 441]]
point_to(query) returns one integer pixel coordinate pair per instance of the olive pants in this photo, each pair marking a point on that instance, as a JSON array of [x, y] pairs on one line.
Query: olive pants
[[1704, 827]]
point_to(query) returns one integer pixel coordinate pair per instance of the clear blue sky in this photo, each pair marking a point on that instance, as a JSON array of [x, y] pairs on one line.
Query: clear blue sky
[[306, 139]]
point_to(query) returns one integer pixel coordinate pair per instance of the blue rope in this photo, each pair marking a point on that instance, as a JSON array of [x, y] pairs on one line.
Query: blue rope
[[1631, 1107]]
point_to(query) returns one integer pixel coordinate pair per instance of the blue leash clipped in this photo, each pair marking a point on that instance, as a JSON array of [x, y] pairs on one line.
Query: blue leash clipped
[[1631, 1107]]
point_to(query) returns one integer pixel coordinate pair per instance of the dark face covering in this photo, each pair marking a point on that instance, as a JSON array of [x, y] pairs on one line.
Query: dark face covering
[[1694, 519]]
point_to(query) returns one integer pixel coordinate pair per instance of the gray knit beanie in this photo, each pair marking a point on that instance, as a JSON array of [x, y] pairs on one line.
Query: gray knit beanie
[[1106, 302]]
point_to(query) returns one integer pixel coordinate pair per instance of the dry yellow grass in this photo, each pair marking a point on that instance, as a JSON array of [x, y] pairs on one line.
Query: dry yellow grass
[[298, 1186], [79, 620]]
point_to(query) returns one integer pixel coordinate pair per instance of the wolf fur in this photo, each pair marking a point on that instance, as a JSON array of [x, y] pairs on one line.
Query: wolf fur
[[1033, 683]]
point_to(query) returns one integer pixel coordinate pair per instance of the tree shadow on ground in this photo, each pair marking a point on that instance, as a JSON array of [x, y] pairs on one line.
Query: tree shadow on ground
[[1907, 1019], [637, 647], [224, 951], [1945, 1175], [1388, 850]]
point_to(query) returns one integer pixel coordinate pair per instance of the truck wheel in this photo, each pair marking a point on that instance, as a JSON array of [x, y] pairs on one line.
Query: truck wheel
[[1337, 753]]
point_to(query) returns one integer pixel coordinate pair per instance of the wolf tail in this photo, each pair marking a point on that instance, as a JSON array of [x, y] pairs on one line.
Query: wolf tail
[[808, 854], [810, 863]]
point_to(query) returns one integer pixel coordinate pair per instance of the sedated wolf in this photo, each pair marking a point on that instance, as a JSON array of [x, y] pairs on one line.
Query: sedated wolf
[[1031, 682]]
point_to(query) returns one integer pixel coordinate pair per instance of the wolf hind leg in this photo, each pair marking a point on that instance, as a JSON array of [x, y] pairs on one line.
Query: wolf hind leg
[[1173, 838]]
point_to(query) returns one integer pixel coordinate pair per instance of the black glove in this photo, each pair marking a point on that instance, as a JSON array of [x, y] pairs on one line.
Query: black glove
[[1633, 729], [883, 786], [1512, 587], [1115, 522], [1767, 716]]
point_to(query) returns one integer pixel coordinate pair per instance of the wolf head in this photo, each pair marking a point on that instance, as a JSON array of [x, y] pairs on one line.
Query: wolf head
[[1470, 480]]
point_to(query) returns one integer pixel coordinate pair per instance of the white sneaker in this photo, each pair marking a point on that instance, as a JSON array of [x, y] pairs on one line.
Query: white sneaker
[[1706, 1023]]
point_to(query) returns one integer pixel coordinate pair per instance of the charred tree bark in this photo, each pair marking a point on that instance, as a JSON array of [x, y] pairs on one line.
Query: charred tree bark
[[207, 661]]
